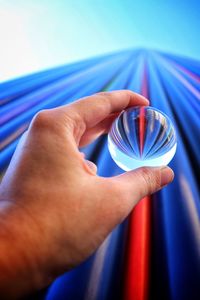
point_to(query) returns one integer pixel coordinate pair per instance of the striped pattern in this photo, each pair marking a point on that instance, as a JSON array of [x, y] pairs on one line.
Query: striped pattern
[[143, 133], [155, 253]]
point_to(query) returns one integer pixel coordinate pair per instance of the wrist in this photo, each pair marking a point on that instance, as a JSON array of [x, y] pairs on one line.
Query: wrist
[[21, 253]]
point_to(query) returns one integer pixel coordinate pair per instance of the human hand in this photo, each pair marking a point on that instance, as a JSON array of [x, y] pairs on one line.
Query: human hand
[[55, 211]]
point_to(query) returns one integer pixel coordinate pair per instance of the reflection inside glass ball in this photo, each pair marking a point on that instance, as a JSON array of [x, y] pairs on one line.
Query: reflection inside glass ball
[[142, 136]]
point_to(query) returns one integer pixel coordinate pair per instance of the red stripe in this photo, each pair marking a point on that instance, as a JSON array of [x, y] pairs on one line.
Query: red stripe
[[138, 246], [142, 125], [138, 252]]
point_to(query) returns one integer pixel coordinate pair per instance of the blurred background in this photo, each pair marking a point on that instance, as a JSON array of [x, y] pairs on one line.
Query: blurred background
[[54, 52]]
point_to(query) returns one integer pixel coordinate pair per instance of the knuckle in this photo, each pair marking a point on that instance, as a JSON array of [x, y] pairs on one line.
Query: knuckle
[[75, 123], [41, 120], [146, 177], [73, 117], [105, 102], [103, 94], [151, 180], [157, 180]]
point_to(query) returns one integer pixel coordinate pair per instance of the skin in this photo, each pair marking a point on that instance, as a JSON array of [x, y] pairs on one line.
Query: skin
[[54, 209]]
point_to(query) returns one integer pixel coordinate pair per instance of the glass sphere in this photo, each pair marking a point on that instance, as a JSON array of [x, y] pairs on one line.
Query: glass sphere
[[142, 136]]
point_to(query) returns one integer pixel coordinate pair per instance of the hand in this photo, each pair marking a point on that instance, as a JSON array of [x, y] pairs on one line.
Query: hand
[[55, 211]]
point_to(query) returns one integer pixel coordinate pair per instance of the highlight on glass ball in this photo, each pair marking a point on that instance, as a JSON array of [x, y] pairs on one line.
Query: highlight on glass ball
[[142, 136]]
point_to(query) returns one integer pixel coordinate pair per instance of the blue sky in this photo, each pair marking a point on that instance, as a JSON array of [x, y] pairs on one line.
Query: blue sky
[[39, 34]]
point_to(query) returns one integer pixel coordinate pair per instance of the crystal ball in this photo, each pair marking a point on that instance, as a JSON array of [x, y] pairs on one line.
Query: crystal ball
[[142, 136]]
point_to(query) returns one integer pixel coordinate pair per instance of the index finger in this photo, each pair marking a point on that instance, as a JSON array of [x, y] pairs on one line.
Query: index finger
[[95, 108]]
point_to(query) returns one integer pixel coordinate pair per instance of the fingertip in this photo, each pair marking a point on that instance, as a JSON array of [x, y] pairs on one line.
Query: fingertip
[[137, 99], [167, 175], [134, 96], [143, 98]]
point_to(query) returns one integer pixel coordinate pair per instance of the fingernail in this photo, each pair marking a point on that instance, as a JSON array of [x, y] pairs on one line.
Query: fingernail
[[147, 100], [167, 175]]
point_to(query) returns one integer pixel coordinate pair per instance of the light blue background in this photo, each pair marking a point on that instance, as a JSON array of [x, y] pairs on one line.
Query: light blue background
[[39, 34]]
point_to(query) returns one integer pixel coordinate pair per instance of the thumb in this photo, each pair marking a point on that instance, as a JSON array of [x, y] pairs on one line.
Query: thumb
[[119, 194], [134, 185]]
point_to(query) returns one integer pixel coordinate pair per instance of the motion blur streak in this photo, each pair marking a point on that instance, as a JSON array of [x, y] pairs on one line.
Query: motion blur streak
[[155, 253]]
